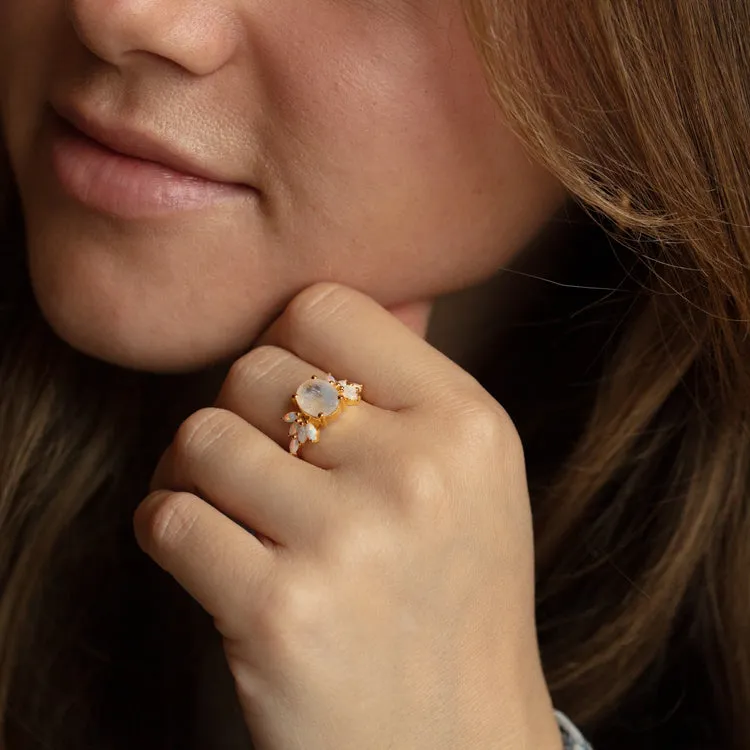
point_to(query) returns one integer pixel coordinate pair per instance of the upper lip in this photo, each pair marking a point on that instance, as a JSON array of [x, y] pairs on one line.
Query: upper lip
[[128, 141]]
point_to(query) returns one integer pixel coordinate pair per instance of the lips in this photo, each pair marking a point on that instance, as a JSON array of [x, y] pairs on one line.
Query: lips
[[130, 174], [138, 144]]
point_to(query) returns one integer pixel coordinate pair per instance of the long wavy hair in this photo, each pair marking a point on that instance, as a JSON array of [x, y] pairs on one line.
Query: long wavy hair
[[639, 467], [643, 533]]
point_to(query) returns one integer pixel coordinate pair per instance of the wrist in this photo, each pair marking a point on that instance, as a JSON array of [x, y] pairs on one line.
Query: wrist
[[541, 727]]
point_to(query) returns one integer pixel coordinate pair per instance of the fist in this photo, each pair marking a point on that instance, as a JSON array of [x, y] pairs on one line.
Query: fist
[[376, 590]]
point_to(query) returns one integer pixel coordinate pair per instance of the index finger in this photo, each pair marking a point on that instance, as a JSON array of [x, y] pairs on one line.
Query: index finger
[[343, 331]]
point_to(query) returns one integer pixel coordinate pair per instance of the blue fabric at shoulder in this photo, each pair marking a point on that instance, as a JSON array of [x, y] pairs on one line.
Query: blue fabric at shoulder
[[572, 737]]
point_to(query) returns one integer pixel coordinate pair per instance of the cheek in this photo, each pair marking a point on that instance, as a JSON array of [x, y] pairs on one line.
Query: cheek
[[403, 153]]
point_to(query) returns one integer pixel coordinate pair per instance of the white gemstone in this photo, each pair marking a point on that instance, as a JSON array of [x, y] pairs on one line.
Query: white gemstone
[[290, 417], [293, 428], [317, 397], [294, 446], [351, 391], [331, 379], [311, 432]]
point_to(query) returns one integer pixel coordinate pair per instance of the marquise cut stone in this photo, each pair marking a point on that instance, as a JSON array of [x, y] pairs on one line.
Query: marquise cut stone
[[317, 397]]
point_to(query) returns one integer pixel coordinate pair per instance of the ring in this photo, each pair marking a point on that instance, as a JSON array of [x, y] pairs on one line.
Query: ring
[[318, 402]]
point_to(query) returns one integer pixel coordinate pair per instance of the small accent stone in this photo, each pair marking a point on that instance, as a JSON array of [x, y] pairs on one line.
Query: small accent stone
[[311, 432], [293, 428], [351, 391], [331, 379], [291, 416], [317, 397], [294, 446]]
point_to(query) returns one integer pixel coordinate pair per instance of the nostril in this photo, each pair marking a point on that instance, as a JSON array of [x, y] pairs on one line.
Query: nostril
[[190, 34]]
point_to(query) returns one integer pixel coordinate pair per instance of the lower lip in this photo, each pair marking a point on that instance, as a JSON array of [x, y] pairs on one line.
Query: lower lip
[[127, 187]]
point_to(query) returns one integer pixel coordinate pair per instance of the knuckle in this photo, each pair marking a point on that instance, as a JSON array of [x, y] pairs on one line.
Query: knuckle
[[421, 481], [253, 366], [292, 603], [485, 428], [426, 496], [508, 436], [170, 522], [288, 611], [200, 431], [316, 301]]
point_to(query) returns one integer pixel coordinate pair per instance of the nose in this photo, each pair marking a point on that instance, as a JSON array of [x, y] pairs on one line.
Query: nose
[[200, 36]]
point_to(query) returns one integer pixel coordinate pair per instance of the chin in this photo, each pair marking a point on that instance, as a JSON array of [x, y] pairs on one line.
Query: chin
[[140, 327], [148, 355], [142, 348]]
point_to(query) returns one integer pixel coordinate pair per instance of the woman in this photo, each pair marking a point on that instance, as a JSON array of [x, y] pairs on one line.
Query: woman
[[181, 176]]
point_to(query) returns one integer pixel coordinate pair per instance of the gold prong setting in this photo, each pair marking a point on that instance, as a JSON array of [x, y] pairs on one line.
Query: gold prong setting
[[318, 402]]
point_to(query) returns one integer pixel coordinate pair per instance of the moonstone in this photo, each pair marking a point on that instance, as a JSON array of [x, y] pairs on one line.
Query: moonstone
[[316, 397]]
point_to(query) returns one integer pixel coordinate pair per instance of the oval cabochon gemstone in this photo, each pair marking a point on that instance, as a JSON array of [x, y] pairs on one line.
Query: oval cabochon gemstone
[[316, 397]]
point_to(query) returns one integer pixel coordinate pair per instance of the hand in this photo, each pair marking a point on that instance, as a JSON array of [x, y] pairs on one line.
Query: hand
[[388, 599]]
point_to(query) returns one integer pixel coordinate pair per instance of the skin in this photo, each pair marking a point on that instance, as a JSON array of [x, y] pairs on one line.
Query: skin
[[378, 161], [381, 162], [389, 599]]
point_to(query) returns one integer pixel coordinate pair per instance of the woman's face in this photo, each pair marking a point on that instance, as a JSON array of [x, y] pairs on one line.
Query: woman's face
[[346, 140]]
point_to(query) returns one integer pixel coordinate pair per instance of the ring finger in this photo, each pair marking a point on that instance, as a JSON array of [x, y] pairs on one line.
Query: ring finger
[[259, 388]]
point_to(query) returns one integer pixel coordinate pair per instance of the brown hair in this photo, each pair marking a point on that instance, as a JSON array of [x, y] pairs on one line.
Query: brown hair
[[642, 524], [641, 109]]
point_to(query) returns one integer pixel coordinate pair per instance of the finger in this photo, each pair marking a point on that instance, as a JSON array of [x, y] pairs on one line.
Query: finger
[[259, 388], [345, 332], [241, 472], [414, 315], [213, 559], [165, 477]]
